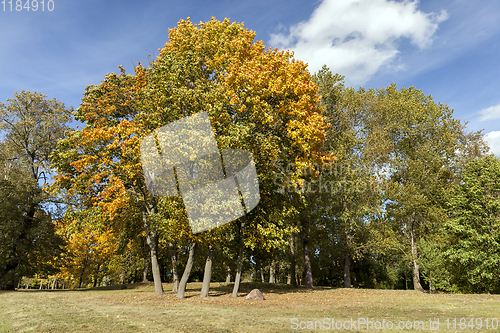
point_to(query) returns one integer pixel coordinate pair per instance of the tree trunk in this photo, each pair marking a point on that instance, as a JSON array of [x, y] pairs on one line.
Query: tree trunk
[[152, 241], [432, 289], [347, 271], [145, 271], [277, 272], [272, 268], [95, 276], [262, 278], [165, 273], [175, 272], [135, 278], [228, 276], [414, 253], [54, 283], [81, 274], [187, 271], [237, 278], [293, 262], [64, 284], [208, 272], [307, 258]]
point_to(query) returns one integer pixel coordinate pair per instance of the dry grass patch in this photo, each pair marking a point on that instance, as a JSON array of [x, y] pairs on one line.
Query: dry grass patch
[[137, 309]]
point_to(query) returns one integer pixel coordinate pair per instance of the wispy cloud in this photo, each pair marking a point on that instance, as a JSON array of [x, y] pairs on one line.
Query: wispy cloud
[[493, 139], [357, 38], [493, 112]]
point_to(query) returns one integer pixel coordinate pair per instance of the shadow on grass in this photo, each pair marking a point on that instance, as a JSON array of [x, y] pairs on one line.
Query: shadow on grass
[[223, 289], [113, 287], [271, 288], [216, 288]]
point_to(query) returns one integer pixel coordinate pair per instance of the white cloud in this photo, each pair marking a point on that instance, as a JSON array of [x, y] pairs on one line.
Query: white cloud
[[493, 112], [356, 38], [493, 139]]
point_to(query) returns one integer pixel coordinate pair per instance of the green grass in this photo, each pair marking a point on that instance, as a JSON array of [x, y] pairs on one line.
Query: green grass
[[137, 309]]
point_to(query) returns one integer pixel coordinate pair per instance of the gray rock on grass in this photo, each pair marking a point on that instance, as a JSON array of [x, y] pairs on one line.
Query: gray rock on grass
[[255, 295]]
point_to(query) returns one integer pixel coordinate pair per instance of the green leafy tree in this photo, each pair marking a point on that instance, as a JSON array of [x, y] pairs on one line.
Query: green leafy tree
[[258, 99], [30, 126], [349, 189], [472, 253], [423, 140]]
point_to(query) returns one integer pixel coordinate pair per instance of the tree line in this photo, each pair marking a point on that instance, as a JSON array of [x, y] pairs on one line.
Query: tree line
[[369, 188]]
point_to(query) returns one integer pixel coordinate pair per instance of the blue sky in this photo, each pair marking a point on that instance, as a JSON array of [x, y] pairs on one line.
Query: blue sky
[[448, 49]]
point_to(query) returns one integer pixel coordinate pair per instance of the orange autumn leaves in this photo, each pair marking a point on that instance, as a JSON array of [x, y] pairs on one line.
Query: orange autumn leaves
[[258, 99], [91, 247], [99, 160], [265, 85]]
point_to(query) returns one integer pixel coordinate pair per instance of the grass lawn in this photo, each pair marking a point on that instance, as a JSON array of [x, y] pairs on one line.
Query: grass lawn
[[137, 309]]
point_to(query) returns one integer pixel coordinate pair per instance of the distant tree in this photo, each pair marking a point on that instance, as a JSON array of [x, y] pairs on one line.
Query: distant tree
[[472, 253], [349, 189], [423, 141], [90, 246], [30, 126]]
